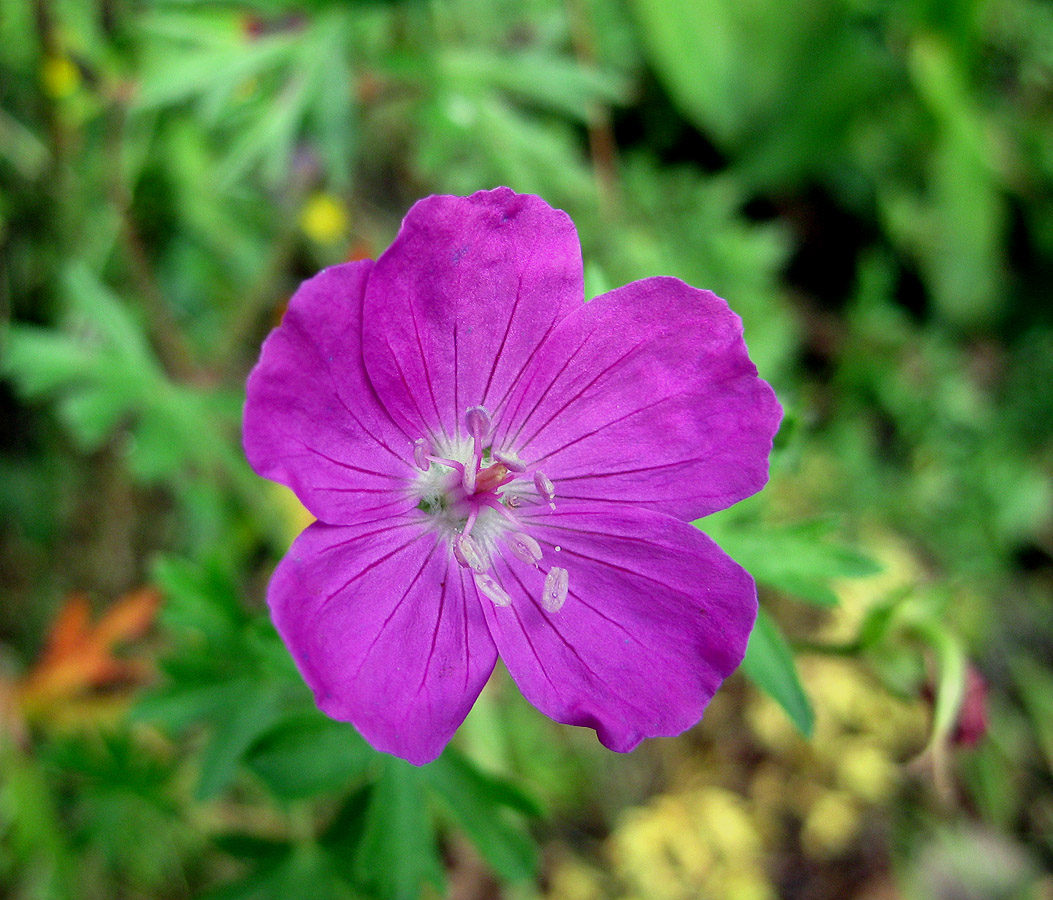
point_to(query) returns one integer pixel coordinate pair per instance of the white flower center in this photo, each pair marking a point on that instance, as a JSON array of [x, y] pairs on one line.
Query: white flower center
[[472, 491]]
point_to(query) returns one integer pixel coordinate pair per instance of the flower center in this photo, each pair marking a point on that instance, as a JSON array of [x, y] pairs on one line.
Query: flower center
[[472, 491]]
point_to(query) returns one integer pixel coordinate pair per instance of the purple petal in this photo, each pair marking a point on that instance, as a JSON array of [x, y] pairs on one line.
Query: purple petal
[[646, 396], [459, 303], [312, 420], [386, 630], [655, 618]]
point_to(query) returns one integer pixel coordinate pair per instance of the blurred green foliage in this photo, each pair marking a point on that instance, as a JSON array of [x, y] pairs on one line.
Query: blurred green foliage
[[867, 183]]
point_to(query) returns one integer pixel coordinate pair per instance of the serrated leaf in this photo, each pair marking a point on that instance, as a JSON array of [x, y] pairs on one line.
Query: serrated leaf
[[252, 712], [547, 80], [475, 801], [769, 664], [304, 870], [176, 706], [307, 754], [39, 360]]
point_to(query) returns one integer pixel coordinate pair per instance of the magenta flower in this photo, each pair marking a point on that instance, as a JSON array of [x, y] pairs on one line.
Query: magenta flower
[[498, 467]]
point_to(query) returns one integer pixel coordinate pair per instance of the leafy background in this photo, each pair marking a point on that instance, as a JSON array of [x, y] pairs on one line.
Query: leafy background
[[869, 183]]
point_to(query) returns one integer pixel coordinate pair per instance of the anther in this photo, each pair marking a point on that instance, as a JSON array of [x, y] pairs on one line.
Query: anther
[[469, 554], [545, 487], [554, 594], [478, 422], [421, 452], [489, 586], [525, 547], [511, 462]]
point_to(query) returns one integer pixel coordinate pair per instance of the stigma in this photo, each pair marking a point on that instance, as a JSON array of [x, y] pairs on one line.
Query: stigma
[[474, 493]]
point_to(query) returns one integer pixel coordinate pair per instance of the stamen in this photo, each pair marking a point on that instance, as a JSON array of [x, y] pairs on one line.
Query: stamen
[[478, 422], [510, 461], [421, 452], [545, 487], [489, 586], [442, 460], [554, 594], [525, 547], [469, 554]]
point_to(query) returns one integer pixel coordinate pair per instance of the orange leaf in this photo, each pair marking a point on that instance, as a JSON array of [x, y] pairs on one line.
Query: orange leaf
[[79, 656]]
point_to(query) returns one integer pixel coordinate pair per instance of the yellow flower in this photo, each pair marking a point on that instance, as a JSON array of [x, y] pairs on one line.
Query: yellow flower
[[831, 824], [60, 77], [324, 219]]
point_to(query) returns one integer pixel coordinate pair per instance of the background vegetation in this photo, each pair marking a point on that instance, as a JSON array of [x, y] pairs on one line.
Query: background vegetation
[[869, 183]]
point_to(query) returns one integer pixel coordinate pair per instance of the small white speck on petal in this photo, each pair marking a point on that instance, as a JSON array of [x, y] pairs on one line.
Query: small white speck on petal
[[525, 547], [489, 586], [554, 595], [469, 554]]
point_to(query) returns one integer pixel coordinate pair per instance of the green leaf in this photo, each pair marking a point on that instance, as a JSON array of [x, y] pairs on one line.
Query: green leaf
[[475, 800], [307, 753], [769, 664], [253, 711], [39, 360], [798, 559], [542, 78], [303, 870], [1035, 684], [397, 853]]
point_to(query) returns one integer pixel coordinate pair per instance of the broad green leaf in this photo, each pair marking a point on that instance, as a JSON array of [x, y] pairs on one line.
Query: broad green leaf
[[777, 84], [961, 237], [769, 664]]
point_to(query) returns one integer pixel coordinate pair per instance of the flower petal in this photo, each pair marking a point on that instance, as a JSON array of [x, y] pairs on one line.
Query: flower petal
[[312, 421], [385, 629], [646, 396], [459, 303], [656, 617]]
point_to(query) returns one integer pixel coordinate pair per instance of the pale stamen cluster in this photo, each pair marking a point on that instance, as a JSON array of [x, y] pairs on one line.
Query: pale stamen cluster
[[473, 491]]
